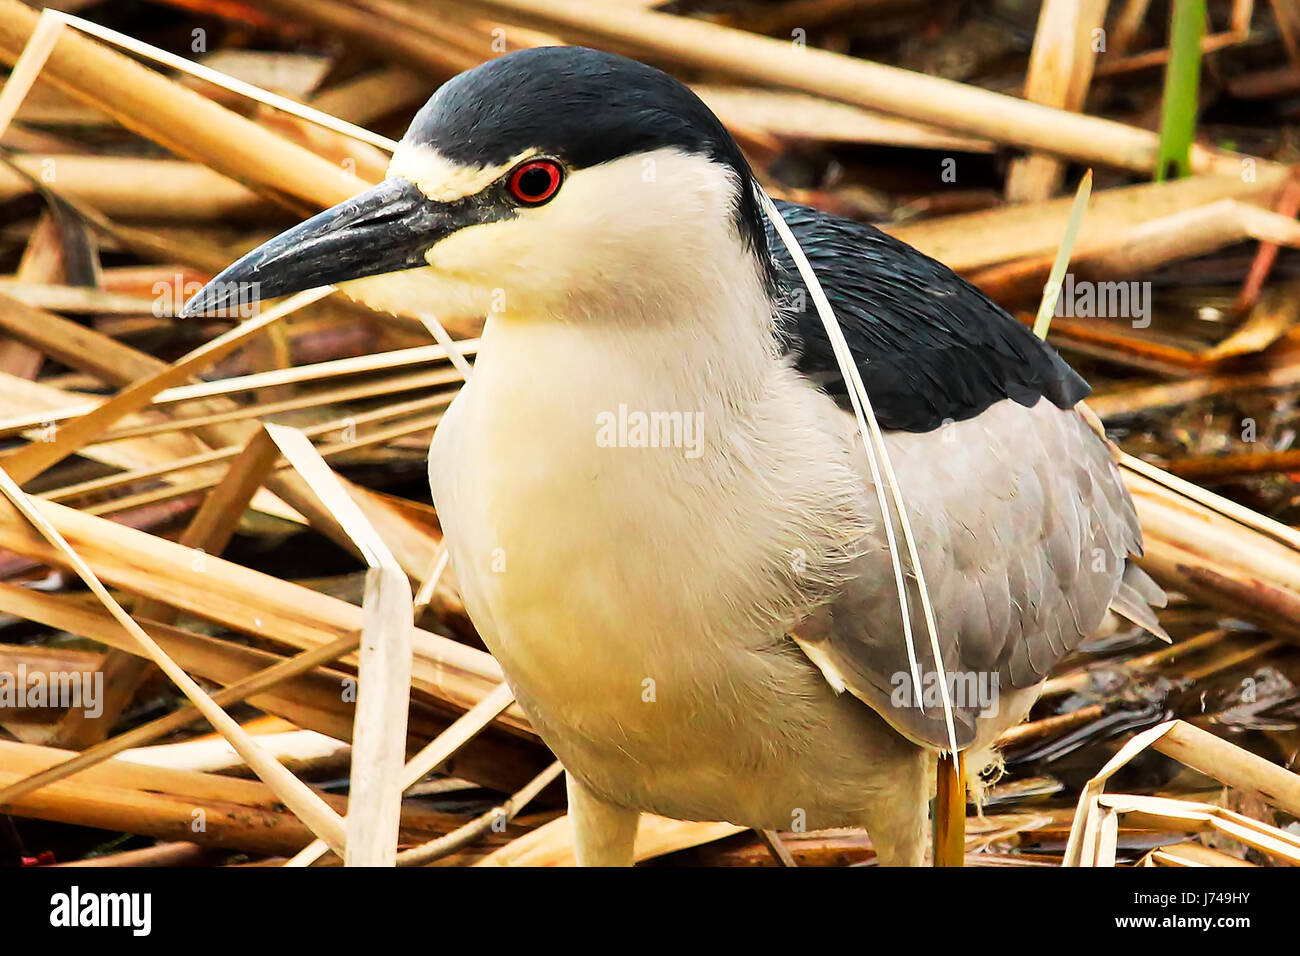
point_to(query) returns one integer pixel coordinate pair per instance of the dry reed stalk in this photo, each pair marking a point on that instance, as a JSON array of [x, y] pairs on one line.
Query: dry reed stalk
[[366, 160], [149, 244], [1191, 854], [1188, 233], [1129, 20], [384, 668], [1288, 204], [296, 795], [1060, 70], [1232, 765], [312, 700], [552, 843], [498, 816], [164, 803], [208, 532], [281, 471], [848, 846], [413, 49], [71, 343], [267, 409], [187, 123], [75, 407], [117, 364], [162, 815], [1288, 25], [429, 584], [1208, 468], [223, 81], [1188, 817], [1227, 661], [412, 544], [42, 261], [28, 462], [468, 726], [1205, 505], [465, 728], [801, 116], [1128, 23], [19, 358], [142, 279], [916, 96], [972, 241], [1061, 261], [18, 393], [1054, 725], [771, 839], [45, 659], [1091, 841], [1147, 398], [1142, 247], [373, 95], [217, 455], [300, 751], [35, 52], [161, 854], [246, 600], [476, 39], [1081, 679], [1210, 43], [179, 719], [76, 299], [1254, 587], [1049, 726], [140, 189]]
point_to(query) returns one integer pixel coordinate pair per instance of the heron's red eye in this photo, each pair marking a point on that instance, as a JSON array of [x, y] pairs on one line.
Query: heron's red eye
[[535, 182]]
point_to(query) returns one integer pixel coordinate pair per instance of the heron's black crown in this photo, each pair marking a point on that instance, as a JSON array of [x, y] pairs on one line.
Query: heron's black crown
[[584, 107]]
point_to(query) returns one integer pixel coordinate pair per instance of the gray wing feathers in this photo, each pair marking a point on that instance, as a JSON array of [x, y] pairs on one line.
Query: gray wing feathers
[[1133, 601], [1025, 531]]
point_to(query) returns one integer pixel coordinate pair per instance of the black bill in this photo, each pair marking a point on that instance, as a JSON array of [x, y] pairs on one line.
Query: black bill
[[385, 229]]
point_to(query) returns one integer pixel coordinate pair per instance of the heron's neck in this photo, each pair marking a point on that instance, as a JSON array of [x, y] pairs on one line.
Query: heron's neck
[[698, 330], [549, 425]]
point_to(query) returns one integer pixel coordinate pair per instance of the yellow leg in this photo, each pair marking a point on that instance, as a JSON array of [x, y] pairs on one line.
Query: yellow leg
[[950, 812]]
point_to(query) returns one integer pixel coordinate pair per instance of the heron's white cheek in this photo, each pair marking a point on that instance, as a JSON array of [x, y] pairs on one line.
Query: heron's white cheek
[[413, 291], [528, 264], [629, 227], [485, 254]]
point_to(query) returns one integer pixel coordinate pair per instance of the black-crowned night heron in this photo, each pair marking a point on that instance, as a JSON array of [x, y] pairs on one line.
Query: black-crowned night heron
[[659, 511]]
